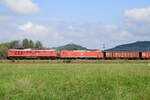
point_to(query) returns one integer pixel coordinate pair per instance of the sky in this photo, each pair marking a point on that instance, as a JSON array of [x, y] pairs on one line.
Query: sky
[[90, 23]]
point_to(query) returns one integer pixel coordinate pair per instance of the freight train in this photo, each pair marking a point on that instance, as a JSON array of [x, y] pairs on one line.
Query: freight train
[[77, 54]]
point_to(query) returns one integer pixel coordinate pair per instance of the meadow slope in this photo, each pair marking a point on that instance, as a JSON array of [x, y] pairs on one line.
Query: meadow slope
[[45, 81]]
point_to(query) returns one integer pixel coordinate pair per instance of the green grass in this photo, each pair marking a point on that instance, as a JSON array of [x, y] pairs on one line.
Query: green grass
[[45, 81]]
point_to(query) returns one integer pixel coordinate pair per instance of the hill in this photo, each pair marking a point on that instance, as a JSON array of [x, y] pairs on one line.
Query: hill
[[139, 46], [70, 46]]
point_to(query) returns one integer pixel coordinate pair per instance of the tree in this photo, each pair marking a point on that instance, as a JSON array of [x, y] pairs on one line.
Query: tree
[[38, 45], [14, 44], [3, 50], [31, 44], [25, 43]]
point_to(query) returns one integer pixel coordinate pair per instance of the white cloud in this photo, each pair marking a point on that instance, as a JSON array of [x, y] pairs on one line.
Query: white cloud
[[109, 28], [137, 22], [71, 27], [138, 14], [21, 6], [35, 29], [4, 18], [121, 35]]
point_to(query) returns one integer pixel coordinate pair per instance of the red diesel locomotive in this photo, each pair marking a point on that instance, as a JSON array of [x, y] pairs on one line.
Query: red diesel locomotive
[[81, 54], [31, 54]]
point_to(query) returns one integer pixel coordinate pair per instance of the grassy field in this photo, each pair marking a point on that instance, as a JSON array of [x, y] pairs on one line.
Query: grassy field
[[45, 81]]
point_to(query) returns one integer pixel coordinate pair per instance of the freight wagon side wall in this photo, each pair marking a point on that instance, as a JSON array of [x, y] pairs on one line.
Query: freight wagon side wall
[[146, 55], [126, 55], [122, 55], [109, 55]]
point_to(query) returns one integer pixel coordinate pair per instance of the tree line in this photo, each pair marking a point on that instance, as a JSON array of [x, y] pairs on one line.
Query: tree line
[[17, 44]]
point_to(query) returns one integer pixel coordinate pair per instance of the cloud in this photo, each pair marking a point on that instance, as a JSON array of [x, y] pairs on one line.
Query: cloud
[[110, 28], [138, 14], [135, 26], [92, 35], [4, 18], [137, 22], [35, 29], [22, 6], [121, 35]]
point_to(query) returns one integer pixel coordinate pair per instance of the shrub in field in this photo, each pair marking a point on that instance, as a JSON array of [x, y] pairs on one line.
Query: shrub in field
[[66, 61]]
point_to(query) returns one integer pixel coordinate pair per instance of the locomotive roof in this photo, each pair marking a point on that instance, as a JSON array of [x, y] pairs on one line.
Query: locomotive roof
[[30, 50], [80, 50]]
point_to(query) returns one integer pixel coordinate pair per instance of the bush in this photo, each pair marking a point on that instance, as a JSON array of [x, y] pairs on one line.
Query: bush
[[67, 61]]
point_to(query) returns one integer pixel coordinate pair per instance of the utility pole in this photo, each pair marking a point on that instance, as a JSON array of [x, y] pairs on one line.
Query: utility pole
[[104, 46]]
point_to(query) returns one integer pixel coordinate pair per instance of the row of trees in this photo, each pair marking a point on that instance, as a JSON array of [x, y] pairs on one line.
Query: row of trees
[[16, 44], [26, 44]]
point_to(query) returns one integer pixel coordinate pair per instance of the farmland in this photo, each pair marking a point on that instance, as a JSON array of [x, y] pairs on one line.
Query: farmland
[[74, 81]]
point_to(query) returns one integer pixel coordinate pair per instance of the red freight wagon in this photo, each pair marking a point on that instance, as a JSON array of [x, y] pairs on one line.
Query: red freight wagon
[[122, 55], [31, 53], [81, 54], [108, 54], [145, 54]]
